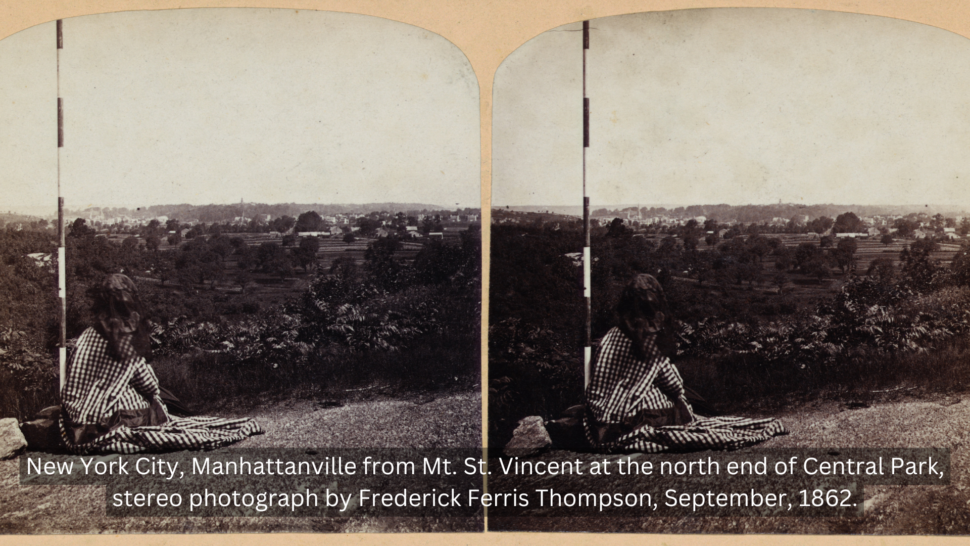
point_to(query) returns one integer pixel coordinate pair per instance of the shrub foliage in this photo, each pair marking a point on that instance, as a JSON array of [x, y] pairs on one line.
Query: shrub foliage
[[742, 342], [409, 325]]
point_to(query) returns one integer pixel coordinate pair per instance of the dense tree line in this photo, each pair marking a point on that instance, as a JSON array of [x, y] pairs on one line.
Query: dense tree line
[[731, 308], [28, 318], [765, 213], [392, 302], [257, 212]]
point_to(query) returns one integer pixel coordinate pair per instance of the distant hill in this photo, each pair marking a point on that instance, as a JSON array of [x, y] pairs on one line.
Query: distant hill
[[15, 218], [30, 213], [224, 213], [744, 213], [564, 211]]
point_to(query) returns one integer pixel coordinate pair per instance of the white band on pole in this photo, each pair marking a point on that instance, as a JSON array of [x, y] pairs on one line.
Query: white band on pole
[[587, 275], [63, 365], [587, 358], [61, 274]]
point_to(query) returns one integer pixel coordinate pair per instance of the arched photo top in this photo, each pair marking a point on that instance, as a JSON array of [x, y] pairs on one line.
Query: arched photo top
[[737, 106], [263, 212], [664, 183], [206, 106]]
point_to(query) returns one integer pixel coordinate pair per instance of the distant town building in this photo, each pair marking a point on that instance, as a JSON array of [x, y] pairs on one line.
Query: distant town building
[[40, 258]]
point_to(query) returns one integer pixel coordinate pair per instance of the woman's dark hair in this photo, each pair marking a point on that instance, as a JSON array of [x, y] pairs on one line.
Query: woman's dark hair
[[644, 316], [119, 317]]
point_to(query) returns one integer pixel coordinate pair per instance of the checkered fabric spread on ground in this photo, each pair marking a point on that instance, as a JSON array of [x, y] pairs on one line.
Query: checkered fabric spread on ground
[[623, 386], [98, 386]]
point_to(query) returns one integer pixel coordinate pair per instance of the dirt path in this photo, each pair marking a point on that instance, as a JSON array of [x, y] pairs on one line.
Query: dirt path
[[453, 420], [943, 422], [450, 421], [894, 510]]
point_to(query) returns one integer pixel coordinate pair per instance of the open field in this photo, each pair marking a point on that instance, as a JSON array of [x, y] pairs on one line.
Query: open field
[[266, 289], [868, 249], [804, 288]]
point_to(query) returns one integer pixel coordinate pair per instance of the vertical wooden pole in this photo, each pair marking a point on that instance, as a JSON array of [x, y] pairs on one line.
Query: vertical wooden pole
[[587, 258], [61, 266]]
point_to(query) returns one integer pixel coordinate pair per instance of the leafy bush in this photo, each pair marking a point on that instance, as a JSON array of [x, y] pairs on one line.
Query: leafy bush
[[413, 327], [28, 321], [532, 371], [28, 374], [739, 346]]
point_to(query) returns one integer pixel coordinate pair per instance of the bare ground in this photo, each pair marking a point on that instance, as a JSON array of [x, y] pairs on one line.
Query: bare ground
[[449, 420], [454, 421], [941, 422]]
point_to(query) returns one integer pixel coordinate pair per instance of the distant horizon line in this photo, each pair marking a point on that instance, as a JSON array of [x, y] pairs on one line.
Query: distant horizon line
[[595, 206], [38, 210]]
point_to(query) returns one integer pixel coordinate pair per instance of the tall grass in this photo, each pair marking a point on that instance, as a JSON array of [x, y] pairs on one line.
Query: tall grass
[[433, 363], [735, 383]]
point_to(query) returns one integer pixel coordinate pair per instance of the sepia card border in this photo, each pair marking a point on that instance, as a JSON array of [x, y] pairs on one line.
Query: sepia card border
[[486, 32]]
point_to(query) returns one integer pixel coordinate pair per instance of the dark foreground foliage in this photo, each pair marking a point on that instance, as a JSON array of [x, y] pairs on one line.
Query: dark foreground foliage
[[28, 301], [746, 343], [405, 326]]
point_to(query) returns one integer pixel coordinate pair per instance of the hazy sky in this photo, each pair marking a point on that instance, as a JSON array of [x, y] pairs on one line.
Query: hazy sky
[[737, 106], [214, 106]]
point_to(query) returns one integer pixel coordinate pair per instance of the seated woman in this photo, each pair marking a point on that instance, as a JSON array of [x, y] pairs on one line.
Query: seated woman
[[635, 399], [111, 400]]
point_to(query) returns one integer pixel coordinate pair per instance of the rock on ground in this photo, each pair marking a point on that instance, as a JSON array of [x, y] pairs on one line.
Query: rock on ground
[[451, 420], [529, 438], [12, 441], [889, 510]]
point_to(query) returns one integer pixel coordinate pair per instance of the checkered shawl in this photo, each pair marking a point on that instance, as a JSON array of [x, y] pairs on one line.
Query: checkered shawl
[[98, 386], [623, 386]]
